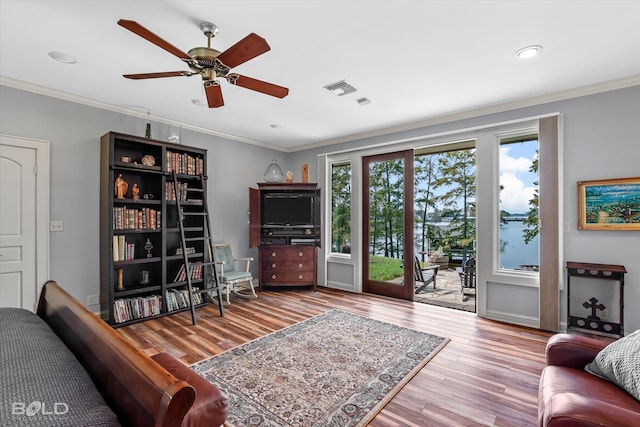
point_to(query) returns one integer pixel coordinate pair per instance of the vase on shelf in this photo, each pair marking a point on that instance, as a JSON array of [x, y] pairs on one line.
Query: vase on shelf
[[273, 173]]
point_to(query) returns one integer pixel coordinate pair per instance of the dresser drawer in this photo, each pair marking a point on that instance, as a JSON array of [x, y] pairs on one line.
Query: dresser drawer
[[279, 265], [287, 253], [289, 277]]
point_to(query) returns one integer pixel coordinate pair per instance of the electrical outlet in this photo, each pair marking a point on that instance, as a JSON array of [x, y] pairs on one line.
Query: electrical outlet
[[603, 314], [567, 227], [56, 226], [93, 300]]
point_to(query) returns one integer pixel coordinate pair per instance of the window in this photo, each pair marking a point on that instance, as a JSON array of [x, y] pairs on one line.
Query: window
[[518, 229], [341, 207]]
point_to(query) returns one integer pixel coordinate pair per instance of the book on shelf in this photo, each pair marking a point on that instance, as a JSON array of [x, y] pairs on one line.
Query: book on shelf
[[136, 219], [190, 250], [123, 251], [184, 163], [127, 309], [196, 272], [179, 298], [180, 193]]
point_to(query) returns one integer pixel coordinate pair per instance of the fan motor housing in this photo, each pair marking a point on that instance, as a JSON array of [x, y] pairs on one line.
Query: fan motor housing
[[204, 56]]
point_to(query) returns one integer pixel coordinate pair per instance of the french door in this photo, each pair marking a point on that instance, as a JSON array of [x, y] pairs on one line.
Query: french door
[[388, 224]]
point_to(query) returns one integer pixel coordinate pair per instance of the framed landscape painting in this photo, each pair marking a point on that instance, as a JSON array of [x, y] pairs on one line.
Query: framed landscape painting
[[609, 204]]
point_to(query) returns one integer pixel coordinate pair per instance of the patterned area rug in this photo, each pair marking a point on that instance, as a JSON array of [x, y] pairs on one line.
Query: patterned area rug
[[335, 369]]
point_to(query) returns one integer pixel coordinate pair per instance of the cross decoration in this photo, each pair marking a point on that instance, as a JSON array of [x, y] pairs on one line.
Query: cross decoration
[[593, 305]]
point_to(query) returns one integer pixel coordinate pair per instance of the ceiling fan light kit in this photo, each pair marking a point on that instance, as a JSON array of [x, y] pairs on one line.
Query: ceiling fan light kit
[[210, 63]]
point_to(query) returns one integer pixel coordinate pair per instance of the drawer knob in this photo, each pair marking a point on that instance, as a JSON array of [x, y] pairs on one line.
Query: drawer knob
[[300, 277], [273, 254], [273, 265], [299, 253], [273, 276], [299, 265]]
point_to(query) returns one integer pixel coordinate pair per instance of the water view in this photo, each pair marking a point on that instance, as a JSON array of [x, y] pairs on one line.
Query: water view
[[516, 252]]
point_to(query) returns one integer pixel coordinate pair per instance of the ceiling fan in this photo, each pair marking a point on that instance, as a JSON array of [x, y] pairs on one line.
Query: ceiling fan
[[210, 63]]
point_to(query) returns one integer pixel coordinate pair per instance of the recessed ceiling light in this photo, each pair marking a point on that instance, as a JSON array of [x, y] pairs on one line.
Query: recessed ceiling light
[[529, 52], [63, 57], [199, 102], [364, 101], [275, 126]]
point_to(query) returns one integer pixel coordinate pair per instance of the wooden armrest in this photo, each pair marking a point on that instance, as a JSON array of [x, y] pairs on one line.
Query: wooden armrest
[[137, 388]]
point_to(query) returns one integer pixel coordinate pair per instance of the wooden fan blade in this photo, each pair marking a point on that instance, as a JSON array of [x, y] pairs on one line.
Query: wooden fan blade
[[214, 94], [134, 27], [158, 75], [246, 49], [258, 85]]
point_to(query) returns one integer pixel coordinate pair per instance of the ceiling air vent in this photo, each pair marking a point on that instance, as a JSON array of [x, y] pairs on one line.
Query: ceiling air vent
[[340, 88]]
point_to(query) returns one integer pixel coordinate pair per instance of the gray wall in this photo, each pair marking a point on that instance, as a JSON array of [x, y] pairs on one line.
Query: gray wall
[[600, 141], [74, 131]]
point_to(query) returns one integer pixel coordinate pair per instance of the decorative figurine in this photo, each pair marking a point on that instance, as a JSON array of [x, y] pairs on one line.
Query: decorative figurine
[[135, 191], [305, 173], [289, 177], [121, 187], [148, 246]]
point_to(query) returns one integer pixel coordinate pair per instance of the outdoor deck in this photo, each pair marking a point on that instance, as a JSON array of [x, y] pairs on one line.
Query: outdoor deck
[[448, 292]]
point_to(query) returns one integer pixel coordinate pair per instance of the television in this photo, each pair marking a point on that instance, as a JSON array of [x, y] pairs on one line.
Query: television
[[288, 209]]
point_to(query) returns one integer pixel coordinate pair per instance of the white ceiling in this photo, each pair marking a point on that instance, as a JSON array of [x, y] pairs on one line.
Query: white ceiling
[[415, 60]]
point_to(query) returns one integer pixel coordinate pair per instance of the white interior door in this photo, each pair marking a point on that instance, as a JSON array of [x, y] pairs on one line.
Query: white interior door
[[18, 238]]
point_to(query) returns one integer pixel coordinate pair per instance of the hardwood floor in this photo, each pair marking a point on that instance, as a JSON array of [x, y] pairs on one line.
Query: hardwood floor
[[487, 375]]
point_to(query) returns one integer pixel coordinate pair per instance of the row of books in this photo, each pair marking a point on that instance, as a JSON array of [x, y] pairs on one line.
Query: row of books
[[127, 309], [136, 219], [184, 163], [196, 272], [122, 250], [179, 193], [179, 298], [190, 250]]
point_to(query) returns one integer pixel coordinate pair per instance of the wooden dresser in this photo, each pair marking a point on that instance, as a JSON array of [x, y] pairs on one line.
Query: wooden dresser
[[288, 265]]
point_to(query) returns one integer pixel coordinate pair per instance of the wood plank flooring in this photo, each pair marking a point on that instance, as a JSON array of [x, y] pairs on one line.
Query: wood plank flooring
[[487, 375]]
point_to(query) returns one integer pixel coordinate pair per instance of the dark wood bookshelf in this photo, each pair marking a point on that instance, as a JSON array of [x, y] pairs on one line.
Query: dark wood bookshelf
[[151, 217]]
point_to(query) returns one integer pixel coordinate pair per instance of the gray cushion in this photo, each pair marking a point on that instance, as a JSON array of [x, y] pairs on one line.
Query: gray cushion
[[619, 362], [43, 384]]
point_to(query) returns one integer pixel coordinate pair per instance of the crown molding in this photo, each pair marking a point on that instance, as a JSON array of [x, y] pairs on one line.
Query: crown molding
[[446, 118], [129, 111], [486, 110]]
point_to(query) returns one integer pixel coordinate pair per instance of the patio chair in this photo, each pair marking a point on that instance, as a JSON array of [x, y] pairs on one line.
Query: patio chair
[[423, 276], [468, 277], [232, 275]]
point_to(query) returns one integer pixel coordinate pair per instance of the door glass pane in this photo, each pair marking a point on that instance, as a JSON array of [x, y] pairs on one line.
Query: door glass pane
[[386, 221], [519, 242], [341, 208]]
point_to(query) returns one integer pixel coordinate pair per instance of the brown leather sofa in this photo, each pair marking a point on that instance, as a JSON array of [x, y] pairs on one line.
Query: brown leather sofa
[[156, 391], [570, 396]]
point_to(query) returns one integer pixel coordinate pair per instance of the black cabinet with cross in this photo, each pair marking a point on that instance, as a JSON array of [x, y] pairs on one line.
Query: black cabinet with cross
[[591, 320]]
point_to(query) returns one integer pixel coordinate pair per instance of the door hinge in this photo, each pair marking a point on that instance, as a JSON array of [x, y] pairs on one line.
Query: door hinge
[[35, 169]]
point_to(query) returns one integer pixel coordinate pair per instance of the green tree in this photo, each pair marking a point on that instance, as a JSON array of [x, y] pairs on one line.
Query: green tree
[[458, 180], [531, 222], [426, 172], [340, 207], [386, 208]]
